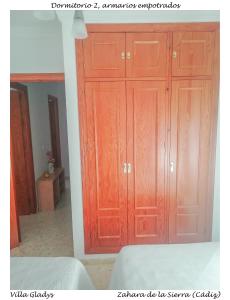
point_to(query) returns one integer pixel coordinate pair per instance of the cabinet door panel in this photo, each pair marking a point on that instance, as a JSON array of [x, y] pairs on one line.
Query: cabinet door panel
[[191, 119], [104, 55], [147, 104], [14, 220], [105, 155], [148, 54], [19, 153], [193, 53]]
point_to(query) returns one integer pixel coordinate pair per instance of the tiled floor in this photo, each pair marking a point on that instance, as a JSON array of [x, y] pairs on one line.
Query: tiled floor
[[47, 233], [100, 272], [50, 234]]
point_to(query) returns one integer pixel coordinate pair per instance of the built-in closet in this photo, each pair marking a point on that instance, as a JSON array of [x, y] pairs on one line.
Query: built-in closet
[[148, 108]]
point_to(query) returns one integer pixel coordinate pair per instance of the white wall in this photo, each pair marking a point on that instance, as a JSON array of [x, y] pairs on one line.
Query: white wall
[[216, 201], [36, 49], [58, 90], [73, 134], [40, 126]]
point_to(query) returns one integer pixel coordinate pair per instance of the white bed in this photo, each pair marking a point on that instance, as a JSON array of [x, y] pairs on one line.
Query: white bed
[[48, 273], [163, 267]]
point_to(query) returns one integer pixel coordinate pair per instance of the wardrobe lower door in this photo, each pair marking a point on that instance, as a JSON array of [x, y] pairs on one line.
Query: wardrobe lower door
[[105, 182], [191, 124], [147, 108]]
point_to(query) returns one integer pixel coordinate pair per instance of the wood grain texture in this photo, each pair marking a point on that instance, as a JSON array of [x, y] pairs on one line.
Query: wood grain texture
[[147, 105], [213, 136], [141, 228], [22, 154], [54, 130], [14, 221], [148, 54], [83, 140], [28, 146], [103, 55], [191, 122], [49, 189], [194, 53], [168, 118], [37, 77], [151, 78], [104, 79], [105, 154], [154, 27]]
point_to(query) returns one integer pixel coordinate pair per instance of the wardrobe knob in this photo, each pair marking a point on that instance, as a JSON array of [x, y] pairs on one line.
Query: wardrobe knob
[[123, 55], [171, 166], [125, 168], [174, 54]]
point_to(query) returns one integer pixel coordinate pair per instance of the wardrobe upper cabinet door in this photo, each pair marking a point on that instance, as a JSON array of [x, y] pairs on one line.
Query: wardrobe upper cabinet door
[[191, 124], [192, 53], [104, 55], [146, 54]]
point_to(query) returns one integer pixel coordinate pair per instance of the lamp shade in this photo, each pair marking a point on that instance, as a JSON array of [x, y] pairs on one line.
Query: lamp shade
[[79, 29]]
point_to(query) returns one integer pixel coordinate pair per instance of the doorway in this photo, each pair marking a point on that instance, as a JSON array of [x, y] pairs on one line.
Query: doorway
[[21, 149], [45, 233], [54, 130]]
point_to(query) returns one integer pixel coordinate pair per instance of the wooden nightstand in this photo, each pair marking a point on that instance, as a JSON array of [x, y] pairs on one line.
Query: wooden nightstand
[[49, 189]]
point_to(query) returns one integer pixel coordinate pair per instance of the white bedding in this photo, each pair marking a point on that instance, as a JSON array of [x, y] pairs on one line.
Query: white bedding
[[48, 273], [163, 267]]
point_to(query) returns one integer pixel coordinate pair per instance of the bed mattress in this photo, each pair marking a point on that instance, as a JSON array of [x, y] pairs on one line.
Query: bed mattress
[[48, 273], [163, 267]]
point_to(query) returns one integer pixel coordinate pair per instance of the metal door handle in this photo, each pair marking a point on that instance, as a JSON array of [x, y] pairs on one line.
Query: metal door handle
[[174, 54], [125, 168], [129, 168], [171, 166], [122, 55], [128, 55]]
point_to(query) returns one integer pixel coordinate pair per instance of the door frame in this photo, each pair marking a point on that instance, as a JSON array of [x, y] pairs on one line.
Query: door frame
[[37, 77], [16, 81], [54, 100], [15, 234], [28, 147]]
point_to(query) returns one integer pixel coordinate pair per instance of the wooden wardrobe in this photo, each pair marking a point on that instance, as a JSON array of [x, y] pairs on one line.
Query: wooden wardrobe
[[148, 112]]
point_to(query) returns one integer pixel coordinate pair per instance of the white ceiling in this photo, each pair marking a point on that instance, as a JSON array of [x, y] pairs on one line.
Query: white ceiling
[[153, 16], [26, 18]]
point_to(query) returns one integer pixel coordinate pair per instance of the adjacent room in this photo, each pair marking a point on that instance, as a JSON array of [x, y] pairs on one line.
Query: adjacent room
[[115, 150], [39, 143]]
